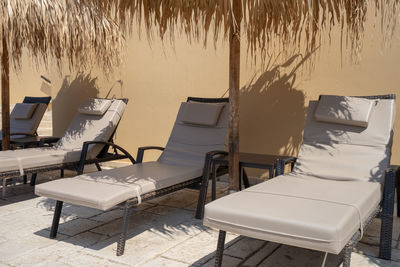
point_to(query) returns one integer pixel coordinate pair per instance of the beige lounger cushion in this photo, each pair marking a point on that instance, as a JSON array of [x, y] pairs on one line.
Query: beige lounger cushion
[[92, 128], [12, 160], [189, 143], [182, 160], [23, 111], [68, 149], [201, 113], [28, 126], [297, 210], [341, 152], [346, 110], [103, 190], [95, 106]]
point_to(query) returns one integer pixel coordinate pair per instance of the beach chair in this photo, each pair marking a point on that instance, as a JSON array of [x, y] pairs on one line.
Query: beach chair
[[339, 183], [201, 126], [26, 117], [96, 121]]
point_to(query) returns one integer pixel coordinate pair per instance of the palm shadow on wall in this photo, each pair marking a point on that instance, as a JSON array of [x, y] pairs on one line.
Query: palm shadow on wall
[[74, 91], [273, 111]]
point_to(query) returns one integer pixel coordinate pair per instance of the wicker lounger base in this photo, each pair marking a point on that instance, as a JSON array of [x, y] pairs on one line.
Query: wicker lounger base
[[129, 204]]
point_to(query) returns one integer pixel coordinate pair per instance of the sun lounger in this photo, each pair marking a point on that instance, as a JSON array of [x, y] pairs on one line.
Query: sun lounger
[[335, 189], [91, 130], [26, 117], [201, 126]]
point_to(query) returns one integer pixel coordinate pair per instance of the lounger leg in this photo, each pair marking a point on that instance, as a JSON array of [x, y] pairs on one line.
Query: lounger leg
[[220, 249], [3, 189], [385, 247], [398, 190], [98, 166], [56, 219], [347, 255], [246, 182], [398, 196], [122, 236], [203, 192], [214, 183], [33, 179]]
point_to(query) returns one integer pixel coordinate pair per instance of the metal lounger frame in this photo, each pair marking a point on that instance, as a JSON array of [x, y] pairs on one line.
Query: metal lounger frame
[[384, 210], [201, 181]]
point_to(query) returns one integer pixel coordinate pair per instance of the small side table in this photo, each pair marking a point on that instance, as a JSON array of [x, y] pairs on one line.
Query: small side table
[[220, 159], [249, 160]]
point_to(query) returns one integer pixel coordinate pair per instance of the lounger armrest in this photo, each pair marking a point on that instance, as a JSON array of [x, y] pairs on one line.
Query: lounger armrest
[[141, 150], [217, 153], [282, 162], [85, 148], [48, 140], [209, 157]]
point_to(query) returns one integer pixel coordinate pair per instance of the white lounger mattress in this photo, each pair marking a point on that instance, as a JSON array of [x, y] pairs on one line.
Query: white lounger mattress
[[103, 190], [297, 210]]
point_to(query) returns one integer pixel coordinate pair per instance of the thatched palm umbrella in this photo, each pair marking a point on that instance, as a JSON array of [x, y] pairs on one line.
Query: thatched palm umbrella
[[79, 32], [266, 24]]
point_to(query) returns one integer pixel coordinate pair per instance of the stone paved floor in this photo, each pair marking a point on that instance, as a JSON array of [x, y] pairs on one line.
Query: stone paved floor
[[162, 232]]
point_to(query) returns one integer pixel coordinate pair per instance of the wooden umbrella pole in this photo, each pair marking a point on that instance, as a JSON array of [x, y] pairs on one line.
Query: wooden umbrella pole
[[234, 86], [5, 96]]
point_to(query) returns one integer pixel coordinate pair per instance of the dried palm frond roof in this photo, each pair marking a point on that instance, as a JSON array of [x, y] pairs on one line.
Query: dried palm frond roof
[[287, 22], [85, 32], [80, 32]]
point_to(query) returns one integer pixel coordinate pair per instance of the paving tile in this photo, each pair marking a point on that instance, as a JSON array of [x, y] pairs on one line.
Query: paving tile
[[141, 246], [45, 256], [79, 211], [163, 262], [198, 249], [77, 226], [261, 254], [179, 199], [108, 216], [85, 239], [367, 261], [81, 258], [111, 228], [373, 251], [7, 207], [12, 248], [227, 261], [289, 256], [244, 247]]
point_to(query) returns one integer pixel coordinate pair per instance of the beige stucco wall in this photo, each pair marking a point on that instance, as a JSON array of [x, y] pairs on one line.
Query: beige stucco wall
[[157, 78]]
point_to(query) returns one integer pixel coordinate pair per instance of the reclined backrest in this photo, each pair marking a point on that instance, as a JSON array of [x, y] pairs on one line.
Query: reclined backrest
[[96, 120], [31, 123], [198, 129], [28, 124], [347, 138]]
